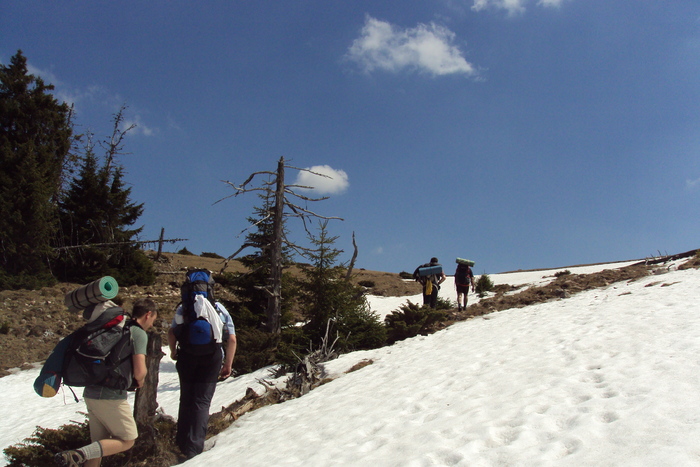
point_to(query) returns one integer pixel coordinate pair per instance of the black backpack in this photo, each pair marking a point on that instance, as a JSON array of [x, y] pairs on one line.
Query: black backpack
[[196, 336], [462, 275], [100, 352]]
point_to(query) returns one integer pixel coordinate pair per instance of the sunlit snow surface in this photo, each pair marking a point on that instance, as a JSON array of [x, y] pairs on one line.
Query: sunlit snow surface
[[608, 377]]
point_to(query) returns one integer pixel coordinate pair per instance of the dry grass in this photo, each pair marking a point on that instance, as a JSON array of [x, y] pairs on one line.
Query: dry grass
[[33, 321]]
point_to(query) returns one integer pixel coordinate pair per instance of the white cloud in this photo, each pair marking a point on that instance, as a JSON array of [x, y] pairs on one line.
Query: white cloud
[[47, 76], [513, 7], [692, 184], [61, 91], [551, 3], [426, 47], [91, 96], [139, 127], [334, 182]]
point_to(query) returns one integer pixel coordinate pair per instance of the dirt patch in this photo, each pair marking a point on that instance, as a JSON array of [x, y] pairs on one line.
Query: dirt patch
[[33, 321]]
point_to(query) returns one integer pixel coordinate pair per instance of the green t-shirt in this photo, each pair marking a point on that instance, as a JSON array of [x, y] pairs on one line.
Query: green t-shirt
[[140, 340]]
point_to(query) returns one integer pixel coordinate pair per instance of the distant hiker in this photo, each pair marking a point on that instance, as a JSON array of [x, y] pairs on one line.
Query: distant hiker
[[202, 340], [464, 277], [112, 425], [430, 275]]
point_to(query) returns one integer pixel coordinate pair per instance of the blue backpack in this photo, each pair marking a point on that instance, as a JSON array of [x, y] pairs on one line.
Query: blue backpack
[[196, 336]]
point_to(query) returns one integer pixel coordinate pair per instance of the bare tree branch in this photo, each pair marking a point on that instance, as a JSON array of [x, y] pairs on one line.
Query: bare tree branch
[[254, 225], [354, 257], [276, 188], [142, 242], [306, 198], [116, 142], [239, 191], [313, 214]]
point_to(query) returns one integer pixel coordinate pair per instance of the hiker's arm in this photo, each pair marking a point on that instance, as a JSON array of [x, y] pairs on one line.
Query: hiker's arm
[[172, 343], [140, 370], [443, 278], [230, 353]]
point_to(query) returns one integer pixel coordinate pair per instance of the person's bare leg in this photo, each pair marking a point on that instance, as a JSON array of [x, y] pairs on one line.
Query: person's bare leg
[[109, 447]]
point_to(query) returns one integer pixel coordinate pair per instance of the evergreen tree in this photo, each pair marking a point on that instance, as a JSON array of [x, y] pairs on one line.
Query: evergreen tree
[[483, 285], [96, 217], [35, 142], [283, 196], [253, 298], [327, 300], [80, 214], [257, 347]]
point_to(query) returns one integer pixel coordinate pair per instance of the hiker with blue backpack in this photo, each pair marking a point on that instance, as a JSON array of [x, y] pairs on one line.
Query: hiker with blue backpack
[[112, 425], [202, 341], [430, 275]]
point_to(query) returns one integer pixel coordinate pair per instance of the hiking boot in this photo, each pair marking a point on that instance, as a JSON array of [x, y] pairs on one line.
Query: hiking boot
[[70, 458]]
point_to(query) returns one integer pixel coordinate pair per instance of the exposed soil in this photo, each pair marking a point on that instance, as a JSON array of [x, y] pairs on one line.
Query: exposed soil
[[566, 285], [33, 321]]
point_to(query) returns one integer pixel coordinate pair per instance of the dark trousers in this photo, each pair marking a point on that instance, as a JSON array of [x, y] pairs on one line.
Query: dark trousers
[[431, 299], [198, 376]]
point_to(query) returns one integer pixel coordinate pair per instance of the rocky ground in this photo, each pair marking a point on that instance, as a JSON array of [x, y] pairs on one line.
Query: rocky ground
[[33, 321]]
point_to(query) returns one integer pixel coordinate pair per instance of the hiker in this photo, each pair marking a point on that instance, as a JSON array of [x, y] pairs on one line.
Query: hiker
[[430, 275], [112, 425], [464, 277], [199, 370]]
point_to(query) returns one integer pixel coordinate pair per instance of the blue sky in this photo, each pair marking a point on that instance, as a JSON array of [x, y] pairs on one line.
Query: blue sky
[[517, 133]]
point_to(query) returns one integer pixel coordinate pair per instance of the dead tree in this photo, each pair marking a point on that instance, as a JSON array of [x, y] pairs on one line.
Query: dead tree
[[284, 197], [352, 260], [145, 404], [158, 242], [115, 145]]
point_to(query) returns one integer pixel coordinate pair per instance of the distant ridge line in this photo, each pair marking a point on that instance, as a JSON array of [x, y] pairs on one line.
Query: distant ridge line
[[646, 261], [572, 266]]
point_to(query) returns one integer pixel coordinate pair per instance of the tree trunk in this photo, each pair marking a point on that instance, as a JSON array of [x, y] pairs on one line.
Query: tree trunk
[[160, 243], [146, 403], [274, 301], [354, 257]]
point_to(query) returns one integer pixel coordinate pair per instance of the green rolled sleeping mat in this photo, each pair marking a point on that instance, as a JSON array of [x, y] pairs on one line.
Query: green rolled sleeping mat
[[467, 262], [101, 290]]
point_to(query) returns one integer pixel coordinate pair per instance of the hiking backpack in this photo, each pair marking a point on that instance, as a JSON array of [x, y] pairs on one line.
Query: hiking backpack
[[195, 335], [428, 272], [417, 276], [99, 353], [463, 274]]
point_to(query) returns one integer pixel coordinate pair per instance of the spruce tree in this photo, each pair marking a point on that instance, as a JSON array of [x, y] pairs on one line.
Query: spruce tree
[[80, 213], [253, 298], [283, 196], [257, 347], [96, 217], [35, 142], [330, 301]]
